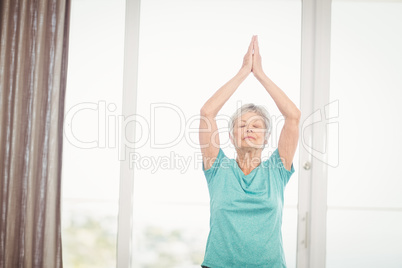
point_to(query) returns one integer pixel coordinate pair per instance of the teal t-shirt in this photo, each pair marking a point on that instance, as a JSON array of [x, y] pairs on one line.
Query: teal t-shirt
[[246, 214]]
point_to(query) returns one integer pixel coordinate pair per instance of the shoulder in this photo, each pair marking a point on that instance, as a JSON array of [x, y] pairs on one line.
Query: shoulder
[[221, 160], [274, 157], [219, 165], [275, 163]]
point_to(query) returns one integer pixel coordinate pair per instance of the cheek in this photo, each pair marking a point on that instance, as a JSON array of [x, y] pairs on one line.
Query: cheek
[[261, 135], [238, 136]]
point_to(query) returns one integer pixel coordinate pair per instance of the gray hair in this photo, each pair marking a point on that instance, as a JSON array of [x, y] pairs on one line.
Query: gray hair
[[250, 107]]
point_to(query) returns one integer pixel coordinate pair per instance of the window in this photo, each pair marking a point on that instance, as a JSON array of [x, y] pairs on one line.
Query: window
[[364, 203], [91, 168], [188, 50]]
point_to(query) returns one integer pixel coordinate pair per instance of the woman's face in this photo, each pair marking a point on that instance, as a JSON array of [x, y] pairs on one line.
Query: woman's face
[[249, 131]]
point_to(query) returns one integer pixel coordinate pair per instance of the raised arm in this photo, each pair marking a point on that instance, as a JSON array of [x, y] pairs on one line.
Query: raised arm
[[208, 132], [289, 137]]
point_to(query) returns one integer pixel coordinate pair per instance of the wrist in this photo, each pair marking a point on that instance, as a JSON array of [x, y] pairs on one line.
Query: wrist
[[243, 73], [259, 75]]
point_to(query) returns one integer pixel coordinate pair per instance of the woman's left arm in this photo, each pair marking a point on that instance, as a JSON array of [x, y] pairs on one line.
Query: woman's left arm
[[290, 132]]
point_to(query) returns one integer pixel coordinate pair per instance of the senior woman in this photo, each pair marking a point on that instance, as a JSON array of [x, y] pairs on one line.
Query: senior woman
[[246, 193]]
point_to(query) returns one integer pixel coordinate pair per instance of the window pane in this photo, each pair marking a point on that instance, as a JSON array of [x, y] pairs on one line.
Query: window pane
[[364, 200], [93, 99], [188, 50]]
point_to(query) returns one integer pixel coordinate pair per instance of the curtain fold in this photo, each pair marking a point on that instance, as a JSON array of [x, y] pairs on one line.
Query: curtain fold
[[33, 69]]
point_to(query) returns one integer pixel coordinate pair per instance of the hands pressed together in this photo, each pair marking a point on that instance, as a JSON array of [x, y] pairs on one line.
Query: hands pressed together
[[252, 60]]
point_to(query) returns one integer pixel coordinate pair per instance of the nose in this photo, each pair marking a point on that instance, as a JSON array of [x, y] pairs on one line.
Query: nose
[[249, 130]]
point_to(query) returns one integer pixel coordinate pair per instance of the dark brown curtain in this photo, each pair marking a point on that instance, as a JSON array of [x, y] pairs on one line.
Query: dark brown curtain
[[33, 67]]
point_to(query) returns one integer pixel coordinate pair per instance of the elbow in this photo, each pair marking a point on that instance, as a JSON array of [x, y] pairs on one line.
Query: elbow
[[203, 111], [298, 114], [206, 112], [295, 116]]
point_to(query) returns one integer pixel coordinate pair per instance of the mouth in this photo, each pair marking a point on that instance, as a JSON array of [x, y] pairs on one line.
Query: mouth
[[249, 137]]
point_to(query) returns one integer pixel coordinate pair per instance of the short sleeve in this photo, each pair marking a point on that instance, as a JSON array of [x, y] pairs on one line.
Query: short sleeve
[[220, 162], [276, 163]]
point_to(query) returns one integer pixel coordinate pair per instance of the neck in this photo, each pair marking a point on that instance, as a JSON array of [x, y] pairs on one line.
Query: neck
[[248, 159]]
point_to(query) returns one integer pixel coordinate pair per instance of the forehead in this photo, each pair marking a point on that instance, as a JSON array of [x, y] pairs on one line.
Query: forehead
[[250, 116]]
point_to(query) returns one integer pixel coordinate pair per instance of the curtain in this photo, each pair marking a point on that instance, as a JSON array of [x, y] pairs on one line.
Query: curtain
[[33, 66]]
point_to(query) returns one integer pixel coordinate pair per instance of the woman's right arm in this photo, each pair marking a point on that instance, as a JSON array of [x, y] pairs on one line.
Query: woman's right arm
[[208, 132]]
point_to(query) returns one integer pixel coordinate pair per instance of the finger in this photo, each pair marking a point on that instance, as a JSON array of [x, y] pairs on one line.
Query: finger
[[251, 46], [256, 47]]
